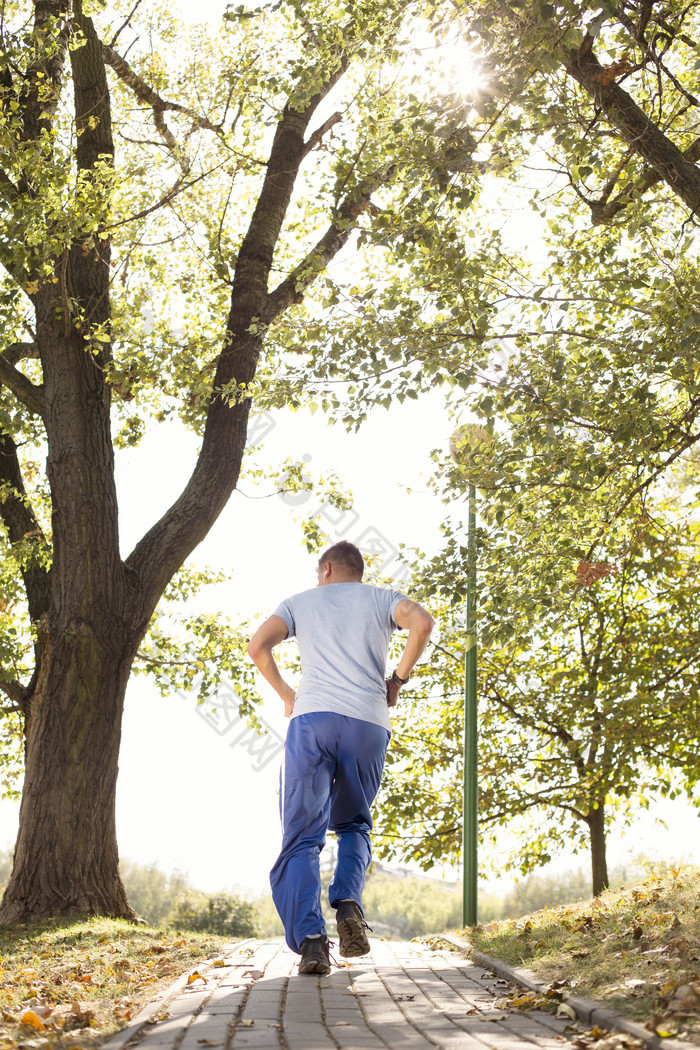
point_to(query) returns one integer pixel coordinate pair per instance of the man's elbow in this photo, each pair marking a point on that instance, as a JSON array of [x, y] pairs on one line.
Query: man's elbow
[[423, 624]]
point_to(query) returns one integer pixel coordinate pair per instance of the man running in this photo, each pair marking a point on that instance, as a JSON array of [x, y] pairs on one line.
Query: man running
[[336, 741]]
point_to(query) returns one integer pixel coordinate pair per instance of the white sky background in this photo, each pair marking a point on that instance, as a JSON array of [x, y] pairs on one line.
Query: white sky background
[[189, 798]]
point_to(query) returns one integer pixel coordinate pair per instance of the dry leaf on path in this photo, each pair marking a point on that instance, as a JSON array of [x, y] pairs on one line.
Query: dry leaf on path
[[564, 1010]]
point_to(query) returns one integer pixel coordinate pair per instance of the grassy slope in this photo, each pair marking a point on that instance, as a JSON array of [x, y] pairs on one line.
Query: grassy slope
[[76, 982], [637, 949]]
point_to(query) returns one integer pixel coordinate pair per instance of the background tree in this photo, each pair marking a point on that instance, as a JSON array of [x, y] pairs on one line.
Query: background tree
[[585, 717], [209, 179]]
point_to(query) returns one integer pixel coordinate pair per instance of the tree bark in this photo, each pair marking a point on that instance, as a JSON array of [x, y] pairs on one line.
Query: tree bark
[[674, 167], [595, 819], [66, 858]]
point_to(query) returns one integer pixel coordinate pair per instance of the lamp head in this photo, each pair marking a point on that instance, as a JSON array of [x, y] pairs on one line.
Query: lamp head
[[467, 437]]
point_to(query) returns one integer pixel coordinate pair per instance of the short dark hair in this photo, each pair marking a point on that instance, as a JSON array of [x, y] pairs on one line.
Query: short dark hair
[[347, 554]]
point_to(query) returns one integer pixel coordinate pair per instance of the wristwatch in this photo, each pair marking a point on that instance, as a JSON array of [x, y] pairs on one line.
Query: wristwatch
[[397, 678]]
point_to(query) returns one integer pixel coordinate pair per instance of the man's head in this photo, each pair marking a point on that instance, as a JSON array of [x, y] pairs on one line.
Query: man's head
[[341, 563]]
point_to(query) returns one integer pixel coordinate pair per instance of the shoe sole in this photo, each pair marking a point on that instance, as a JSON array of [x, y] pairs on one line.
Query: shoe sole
[[352, 938], [314, 967]]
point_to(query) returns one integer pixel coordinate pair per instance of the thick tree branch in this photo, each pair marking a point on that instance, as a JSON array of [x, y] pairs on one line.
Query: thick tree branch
[[163, 549], [660, 154], [21, 523], [93, 111], [292, 289], [159, 105], [17, 693], [320, 132], [605, 210], [19, 351], [171, 142], [31, 396], [36, 106], [125, 23]]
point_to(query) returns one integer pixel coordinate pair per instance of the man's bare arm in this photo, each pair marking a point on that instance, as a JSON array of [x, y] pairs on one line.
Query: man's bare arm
[[412, 617], [260, 647]]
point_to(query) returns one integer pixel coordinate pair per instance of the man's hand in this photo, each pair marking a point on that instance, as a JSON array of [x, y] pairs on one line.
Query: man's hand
[[393, 689]]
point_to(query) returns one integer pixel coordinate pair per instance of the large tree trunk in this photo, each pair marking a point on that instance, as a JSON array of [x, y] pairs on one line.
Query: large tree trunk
[[72, 745], [595, 819]]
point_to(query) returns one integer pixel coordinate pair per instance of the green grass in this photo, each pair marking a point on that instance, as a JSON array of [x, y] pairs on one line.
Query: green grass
[[637, 949], [76, 982]]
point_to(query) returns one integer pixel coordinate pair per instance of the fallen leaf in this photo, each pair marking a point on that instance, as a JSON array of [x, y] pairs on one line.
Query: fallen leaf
[[253, 973], [247, 1023], [493, 1015], [564, 1010], [31, 1019], [80, 1018], [196, 977]]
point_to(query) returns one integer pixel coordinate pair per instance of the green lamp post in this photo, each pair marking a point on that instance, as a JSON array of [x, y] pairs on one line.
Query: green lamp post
[[463, 438]]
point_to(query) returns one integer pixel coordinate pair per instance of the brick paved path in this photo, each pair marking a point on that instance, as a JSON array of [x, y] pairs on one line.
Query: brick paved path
[[403, 995]]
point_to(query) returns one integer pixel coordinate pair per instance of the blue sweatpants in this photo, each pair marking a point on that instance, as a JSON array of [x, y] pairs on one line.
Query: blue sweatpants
[[330, 776]]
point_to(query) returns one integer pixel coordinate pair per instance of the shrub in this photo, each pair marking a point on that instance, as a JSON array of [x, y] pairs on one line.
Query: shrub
[[221, 913]]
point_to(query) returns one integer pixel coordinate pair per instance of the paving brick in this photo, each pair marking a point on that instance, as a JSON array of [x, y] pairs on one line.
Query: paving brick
[[186, 1004], [205, 1033], [254, 1011], [261, 1037], [224, 1003], [302, 1013], [153, 1042], [303, 1034]]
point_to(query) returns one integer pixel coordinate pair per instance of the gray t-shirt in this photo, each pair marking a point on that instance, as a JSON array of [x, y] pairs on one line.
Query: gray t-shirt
[[343, 631]]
